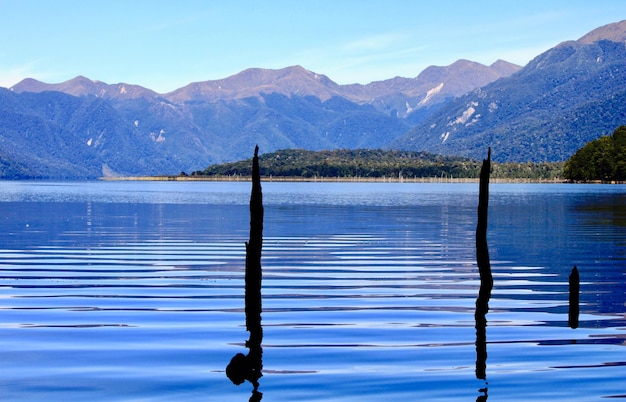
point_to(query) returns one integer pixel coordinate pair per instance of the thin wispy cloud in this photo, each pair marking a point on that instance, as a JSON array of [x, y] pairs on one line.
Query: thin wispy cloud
[[160, 44], [362, 60], [10, 76], [375, 42]]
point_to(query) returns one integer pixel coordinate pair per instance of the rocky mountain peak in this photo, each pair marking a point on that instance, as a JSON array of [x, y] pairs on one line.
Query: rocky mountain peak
[[253, 82], [464, 75], [615, 32], [504, 68], [83, 86]]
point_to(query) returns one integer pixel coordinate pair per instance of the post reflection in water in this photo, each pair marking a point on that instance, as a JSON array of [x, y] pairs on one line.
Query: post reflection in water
[[249, 367], [486, 278]]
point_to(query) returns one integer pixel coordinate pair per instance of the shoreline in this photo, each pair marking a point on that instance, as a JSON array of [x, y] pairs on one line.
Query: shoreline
[[297, 179]]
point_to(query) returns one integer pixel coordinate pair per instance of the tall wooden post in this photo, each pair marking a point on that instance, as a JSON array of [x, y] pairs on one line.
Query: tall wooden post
[[242, 367], [484, 269]]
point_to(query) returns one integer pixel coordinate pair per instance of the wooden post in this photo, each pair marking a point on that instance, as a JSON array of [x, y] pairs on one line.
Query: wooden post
[[482, 251], [484, 269], [250, 367], [253, 254], [574, 298]]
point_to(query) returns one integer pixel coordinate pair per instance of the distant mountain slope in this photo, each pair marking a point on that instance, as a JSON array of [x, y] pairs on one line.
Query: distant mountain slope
[[254, 82], [563, 98], [398, 96], [216, 121], [82, 86], [435, 85], [55, 135], [615, 32], [52, 134]]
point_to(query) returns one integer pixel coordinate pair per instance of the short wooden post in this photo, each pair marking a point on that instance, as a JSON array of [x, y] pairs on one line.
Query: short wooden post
[[574, 298]]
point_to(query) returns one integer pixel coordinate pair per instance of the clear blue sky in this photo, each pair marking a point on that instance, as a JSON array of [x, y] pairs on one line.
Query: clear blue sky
[[164, 45]]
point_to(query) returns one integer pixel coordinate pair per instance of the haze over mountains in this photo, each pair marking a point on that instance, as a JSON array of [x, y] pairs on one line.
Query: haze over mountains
[[544, 111]]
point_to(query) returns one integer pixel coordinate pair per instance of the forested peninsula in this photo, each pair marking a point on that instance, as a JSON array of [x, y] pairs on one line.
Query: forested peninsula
[[375, 164]]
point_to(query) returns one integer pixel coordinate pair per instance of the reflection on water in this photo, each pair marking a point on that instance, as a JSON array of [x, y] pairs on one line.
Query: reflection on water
[[130, 292]]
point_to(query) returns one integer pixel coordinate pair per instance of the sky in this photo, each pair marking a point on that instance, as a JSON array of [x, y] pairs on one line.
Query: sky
[[165, 45]]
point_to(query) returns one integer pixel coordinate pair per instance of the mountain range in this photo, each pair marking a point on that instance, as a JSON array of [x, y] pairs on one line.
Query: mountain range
[[562, 99], [544, 111]]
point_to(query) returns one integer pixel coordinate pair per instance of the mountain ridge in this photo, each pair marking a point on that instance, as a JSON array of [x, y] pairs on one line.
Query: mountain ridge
[[569, 94], [542, 112], [615, 32], [83, 86], [458, 78]]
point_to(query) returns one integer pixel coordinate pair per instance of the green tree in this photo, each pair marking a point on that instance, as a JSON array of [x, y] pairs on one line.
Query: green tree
[[602, 159], [619, 144]]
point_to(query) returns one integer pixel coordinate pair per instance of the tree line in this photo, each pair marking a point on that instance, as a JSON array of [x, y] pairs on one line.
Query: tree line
[[603, 159], [377, 163]]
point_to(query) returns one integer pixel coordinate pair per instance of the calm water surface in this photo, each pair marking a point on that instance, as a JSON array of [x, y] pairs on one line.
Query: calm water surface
[[134, 291]]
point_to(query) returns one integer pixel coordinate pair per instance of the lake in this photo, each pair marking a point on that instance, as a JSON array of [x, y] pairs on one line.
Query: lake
[[134, 291]]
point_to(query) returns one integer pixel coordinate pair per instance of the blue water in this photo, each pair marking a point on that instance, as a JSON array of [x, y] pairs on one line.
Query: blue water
[[134, 291]]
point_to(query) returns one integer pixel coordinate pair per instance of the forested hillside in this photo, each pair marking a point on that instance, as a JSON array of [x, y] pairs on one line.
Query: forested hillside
[[368, 163], [564, 98], [603, 159]]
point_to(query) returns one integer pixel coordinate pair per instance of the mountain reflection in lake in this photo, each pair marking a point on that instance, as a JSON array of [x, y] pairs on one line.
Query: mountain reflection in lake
[[135, 291]]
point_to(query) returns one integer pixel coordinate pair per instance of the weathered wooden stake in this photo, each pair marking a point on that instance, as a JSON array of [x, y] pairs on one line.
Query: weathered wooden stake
[[484, 269], [253, 254], [482, 251], [250, 367]]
